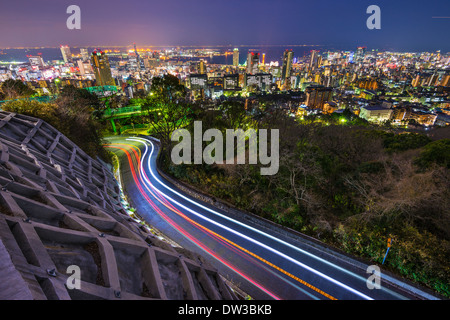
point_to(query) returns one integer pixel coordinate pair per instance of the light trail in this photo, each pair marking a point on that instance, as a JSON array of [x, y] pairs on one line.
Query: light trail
[[182, 231], [226, 241], [147, 142]]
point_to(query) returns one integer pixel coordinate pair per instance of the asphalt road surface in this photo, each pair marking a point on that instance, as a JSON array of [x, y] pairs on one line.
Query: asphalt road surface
[[264, 263]]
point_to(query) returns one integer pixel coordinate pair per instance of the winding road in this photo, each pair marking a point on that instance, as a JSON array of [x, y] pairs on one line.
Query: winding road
[[263, 262]]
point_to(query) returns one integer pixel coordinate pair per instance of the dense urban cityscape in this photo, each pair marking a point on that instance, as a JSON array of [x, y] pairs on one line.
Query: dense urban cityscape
[[400, 88]]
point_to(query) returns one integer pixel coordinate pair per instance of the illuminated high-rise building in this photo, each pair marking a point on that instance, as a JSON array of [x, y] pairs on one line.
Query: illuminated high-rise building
[[67, 55], [252, 62], [201, 67], [84, 67], [133, 61], [286, 70], [258, 82], [102, 70], [314, 62], [231, 82], [317, 96], [36, 61], [445, 82], [360, 54], [235, 57]]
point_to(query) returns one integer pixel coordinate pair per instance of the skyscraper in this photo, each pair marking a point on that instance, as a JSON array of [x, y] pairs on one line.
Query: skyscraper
[[235, 57], [36, 61], [288, 57], [252, 62], [67, 55], [102, 70], [133, 61], [84, 54], [317, 96], [360, 54], [84, 67], [201, 67], [313, 63]]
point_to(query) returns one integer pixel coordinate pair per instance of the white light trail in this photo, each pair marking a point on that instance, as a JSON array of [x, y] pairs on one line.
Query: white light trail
[[145, 142]]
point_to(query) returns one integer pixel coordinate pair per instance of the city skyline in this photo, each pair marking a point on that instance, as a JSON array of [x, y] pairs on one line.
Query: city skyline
[[417, 26]]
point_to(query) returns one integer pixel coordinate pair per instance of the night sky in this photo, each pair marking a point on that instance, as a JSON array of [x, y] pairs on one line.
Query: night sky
[[405, 25]]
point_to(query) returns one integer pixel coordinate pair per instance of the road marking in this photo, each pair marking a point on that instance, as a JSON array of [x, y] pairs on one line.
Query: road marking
[[170, 207], [182, 231], [176, 211], [147, 142]]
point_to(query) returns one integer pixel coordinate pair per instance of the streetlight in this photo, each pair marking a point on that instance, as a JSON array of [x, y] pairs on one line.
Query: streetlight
[[57, 81]]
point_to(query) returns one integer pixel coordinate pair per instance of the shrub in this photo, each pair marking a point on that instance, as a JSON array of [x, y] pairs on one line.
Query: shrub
[[437, 152]]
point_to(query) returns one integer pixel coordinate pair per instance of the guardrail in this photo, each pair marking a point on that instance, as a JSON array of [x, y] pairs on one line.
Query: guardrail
[[133, 127]]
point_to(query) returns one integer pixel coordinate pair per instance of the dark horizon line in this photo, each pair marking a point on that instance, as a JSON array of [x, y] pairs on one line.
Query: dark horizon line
[[167, 45], [214, 46]]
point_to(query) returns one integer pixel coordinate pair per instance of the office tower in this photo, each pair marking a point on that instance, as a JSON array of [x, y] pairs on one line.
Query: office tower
[[67, 55], [286, 70], [317, 96], [133, 62], [415, 82], [201, 67], [258, 82], [360, 54], [84, 54], [252, 62], [102, 70], [235, 57], [198, 81], [313, 63], [36, 61], [84, 67], [431, 81], [445, 82], [81, 67], [231, 82]]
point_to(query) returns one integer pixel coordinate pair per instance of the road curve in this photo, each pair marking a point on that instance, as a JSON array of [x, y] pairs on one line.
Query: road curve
[[265, 264]]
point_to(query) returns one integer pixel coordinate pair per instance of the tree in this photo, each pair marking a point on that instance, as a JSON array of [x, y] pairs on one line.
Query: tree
[[167, 89], [166, 109], [234, 114], [44, 111], [81, 101], [14, 89], [435, 152], [78, 112]]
